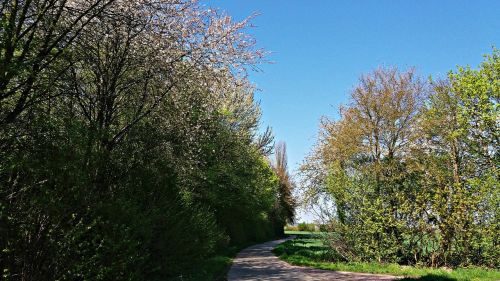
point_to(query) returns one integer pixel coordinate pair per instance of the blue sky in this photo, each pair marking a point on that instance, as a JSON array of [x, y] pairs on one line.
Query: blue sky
[[320, 48]]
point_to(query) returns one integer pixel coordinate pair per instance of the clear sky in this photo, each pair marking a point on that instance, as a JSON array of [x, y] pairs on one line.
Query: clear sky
[[320, 48]]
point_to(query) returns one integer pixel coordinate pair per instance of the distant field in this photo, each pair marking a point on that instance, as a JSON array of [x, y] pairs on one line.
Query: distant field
[[308, 250], [297, 232]]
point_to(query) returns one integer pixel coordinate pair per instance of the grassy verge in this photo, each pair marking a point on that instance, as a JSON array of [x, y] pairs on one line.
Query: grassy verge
[[214, 269], [308, 250], [217, 267]]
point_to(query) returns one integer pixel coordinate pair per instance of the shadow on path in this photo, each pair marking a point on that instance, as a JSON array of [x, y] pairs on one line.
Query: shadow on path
[[259, 263]]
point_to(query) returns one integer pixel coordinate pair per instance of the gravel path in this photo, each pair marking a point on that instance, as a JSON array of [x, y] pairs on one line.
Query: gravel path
[[259, 263]]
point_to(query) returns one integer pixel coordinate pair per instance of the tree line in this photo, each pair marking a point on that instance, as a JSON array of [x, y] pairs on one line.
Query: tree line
[[409, 169], [130, 146]]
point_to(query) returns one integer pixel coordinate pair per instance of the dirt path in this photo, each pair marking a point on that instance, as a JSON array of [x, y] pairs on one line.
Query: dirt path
[[259, 263]]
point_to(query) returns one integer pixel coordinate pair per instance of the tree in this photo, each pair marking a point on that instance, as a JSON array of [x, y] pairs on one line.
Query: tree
[[375, 131], [35, 35], [135, 153], [412, 169], [284, 208], [478, 92]]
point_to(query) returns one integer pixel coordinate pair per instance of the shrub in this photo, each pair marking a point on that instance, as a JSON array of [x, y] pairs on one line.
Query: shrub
[[303, 226]]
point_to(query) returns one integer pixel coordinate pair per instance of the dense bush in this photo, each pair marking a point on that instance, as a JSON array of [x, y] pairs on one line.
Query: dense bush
[[306, 226], [302, 226]]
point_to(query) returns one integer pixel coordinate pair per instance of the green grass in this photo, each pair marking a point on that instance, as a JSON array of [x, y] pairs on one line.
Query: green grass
[[308, 250], [214, 269]]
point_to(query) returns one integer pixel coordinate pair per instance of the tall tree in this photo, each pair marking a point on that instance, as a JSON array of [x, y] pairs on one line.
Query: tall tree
[[285, 203]]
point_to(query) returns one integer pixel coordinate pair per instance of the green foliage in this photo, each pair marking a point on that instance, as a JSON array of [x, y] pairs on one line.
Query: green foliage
[[300, 227], [414, 179], [131, 155], [306, 226]]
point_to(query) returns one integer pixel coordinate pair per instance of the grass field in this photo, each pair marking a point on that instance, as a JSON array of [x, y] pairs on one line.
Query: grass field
[[308, 250]]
